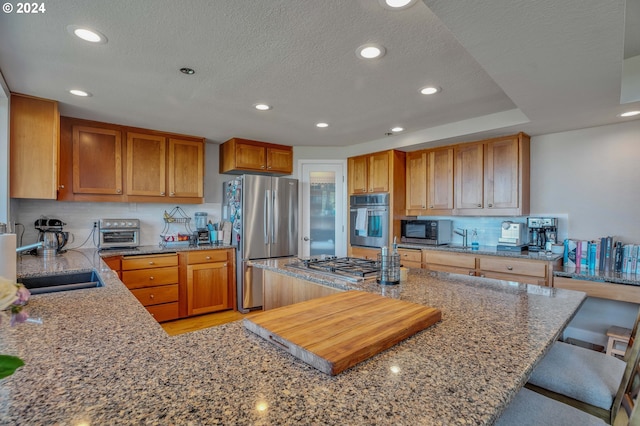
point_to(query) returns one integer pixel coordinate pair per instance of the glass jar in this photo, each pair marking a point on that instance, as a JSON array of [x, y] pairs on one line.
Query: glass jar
[[201, 220]]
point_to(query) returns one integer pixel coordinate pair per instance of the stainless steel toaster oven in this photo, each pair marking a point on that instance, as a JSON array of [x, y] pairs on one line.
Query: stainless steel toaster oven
[[119, 233]]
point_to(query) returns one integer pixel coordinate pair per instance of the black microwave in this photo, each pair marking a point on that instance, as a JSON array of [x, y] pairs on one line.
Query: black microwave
[[430, 232]]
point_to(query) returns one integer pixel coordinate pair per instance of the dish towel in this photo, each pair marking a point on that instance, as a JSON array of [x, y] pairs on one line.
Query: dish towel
[[361, 221]]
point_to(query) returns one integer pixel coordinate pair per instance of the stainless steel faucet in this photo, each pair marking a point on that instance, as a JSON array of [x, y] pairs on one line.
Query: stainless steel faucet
[[29, 247], [463, 234]]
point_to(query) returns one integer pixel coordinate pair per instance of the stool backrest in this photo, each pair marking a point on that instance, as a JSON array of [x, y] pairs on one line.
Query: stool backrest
[[630, 384], [632, 337]]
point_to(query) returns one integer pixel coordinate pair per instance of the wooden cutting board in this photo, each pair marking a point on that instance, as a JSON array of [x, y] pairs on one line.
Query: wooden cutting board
[[336, 332]]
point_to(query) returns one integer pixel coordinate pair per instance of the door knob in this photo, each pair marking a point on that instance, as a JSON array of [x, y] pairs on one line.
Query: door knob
[[307, 239]]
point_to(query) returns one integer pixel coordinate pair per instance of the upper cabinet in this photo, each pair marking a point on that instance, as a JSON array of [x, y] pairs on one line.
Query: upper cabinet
[[430, 182], [370, 173], [243, 155], [492, 177], [108, 162], [34, 147]]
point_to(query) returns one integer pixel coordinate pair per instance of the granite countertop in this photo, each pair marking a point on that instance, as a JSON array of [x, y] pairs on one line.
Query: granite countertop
[[598, 276], [95, 356], [142, 250], [486, 251]]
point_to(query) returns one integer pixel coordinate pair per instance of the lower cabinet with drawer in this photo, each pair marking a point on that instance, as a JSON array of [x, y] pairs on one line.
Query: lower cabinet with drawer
[[207, 281], [153, 280], [527, 271], [410, 258]]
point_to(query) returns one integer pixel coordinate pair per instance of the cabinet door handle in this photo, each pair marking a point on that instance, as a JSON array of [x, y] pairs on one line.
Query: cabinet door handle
[[269, 167], [162, 193], [172, 194], [479, 205], [118, 191], [151, 278], [490, 205], [262, 167], [151, 296], [61, 187], [225, 264], [151, 262], [430, 207], [510, 268], [471, 273], [208, 257]]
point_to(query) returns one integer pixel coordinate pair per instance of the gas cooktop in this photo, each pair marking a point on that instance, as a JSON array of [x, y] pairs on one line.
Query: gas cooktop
[[349, 268]]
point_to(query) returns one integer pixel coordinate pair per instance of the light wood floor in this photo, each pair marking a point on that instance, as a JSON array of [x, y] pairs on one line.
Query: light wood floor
[[199, 322]]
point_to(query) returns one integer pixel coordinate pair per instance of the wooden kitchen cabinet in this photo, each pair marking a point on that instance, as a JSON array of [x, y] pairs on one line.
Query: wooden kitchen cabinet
[[208, 281], [114, 263], [109, 162], [33, 147], [380, 172], [410, 258], [244, 155], [169, 169], [457, 263], [363, 252], [492, 177], [153, 280], [528, 271], [369, 173], [146, 164], [429, 185], [282, 290]]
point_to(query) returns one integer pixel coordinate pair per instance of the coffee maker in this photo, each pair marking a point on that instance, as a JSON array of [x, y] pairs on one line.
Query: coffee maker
[[544, 233], [52, 237]]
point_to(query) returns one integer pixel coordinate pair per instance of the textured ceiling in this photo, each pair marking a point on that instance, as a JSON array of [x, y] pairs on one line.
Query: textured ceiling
[[504, 66]]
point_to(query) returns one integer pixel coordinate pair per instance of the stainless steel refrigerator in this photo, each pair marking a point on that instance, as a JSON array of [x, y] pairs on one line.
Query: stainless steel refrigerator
[[264, 215]]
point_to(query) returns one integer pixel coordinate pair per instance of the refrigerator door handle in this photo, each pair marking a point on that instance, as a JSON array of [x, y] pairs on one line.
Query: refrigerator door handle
[[266, 216], [275, 216]]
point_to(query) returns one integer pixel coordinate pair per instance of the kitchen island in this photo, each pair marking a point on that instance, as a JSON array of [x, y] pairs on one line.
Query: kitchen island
[[98, 357]]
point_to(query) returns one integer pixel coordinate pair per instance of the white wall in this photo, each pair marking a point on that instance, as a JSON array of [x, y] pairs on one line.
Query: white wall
[[592, 176]]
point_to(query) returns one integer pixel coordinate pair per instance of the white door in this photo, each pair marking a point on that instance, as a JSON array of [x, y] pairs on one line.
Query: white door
[[323, 208]]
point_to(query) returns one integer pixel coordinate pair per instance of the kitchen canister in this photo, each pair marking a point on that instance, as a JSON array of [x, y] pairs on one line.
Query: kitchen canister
[[388, 267]]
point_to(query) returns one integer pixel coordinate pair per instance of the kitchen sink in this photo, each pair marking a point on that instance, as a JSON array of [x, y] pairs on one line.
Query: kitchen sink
[[61, 282]]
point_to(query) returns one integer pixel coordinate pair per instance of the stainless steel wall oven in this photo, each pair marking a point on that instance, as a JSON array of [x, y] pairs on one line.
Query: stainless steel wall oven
[[369, 220]]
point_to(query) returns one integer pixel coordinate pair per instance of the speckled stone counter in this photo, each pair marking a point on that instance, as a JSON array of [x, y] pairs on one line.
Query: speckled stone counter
[[598, 276], [99, 358], [141, 250], [485, 251]]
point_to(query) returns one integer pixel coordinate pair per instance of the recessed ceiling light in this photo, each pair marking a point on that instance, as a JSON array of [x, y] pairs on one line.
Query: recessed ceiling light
[[630, 114], [396, 4], [187, 70], [370, 51], [78, 92], [322, 125], [429, 90], [87, 34], [262, 107], [397, 129]]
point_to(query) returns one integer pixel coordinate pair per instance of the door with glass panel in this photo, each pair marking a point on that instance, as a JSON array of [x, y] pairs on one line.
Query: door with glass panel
[[323, 209]]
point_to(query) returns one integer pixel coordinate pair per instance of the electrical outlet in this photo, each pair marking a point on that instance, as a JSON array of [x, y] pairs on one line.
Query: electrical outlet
[[95, 224]]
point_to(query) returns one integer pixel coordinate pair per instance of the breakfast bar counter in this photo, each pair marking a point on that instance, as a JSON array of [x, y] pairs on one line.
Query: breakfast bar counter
[[95, 356]]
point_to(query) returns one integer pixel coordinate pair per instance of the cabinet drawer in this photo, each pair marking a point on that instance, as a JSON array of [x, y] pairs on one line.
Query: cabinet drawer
[[144, 262], [164, 312], [150, 277], [410, 255], [450, 259], [513, 266], [207, 256], [156, 295], [525, 279]]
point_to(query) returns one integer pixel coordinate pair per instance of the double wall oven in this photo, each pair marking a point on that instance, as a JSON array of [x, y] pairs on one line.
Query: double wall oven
[[369, 220]]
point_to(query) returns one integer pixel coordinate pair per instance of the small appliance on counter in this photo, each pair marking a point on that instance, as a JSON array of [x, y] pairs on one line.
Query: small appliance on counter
[[52, 236], [513, 237], [428, 232], [544, 233], [119, 233]]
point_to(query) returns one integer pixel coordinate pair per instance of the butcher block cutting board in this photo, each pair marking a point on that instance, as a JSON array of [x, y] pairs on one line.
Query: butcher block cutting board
[[336, 332]]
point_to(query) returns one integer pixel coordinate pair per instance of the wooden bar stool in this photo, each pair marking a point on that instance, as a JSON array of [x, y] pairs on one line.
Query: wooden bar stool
[[618, 337]]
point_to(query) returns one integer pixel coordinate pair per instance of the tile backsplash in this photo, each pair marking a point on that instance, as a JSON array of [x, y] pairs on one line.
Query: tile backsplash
[[489, 228], [79, 218]]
